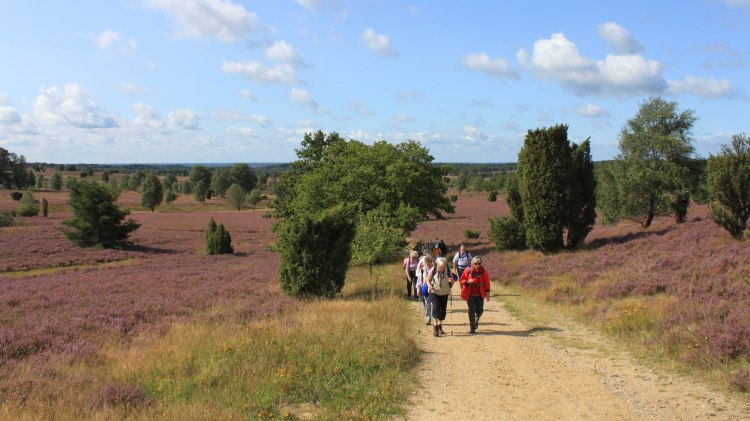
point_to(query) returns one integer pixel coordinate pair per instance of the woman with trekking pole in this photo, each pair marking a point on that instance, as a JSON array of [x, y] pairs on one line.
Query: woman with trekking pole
[[439, 284], [475, 288]]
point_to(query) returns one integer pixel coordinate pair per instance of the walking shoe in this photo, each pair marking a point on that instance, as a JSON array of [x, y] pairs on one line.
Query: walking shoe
[[435, 331], [440, 328]]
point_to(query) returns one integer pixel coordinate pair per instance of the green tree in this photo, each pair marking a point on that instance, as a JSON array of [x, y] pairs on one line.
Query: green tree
[[236, 196], [581, 207], [221, 180], [200, 191], [105, 176], [169, 196], [244, 176], [254, 197], [200, 173], [96, 219], [314, 252], [135, 180], [651, 174], [13, 171], [544, 175], [462, 182], [729, 186], [152, 192], [169, 180], [45, 207], [218, 239], [70, 182], [375, 239], [125, 181], [40, 182], [400, 179], [28, 206], [55, 181]]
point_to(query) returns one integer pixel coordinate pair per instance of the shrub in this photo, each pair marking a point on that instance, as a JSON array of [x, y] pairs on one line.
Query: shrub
[[218, 239], [454, 198], [471, 234], [7, 219], [740, 380], [507, 233], [28, 206], [314, 252], [16, 195], [45, 207], [492, 197]]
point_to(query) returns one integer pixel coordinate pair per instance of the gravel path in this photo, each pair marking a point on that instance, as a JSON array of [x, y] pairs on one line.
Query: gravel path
[[511, 371]]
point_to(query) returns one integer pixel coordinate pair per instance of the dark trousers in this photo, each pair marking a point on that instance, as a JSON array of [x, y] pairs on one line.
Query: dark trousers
[[476, 308], [439, 306], [411, 284]]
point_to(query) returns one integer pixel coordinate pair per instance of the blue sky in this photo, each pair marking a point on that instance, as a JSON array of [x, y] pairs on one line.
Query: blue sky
[[144, 81]]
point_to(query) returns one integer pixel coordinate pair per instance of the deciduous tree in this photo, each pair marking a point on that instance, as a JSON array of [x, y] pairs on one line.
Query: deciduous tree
[[651, 174], [236, 196]]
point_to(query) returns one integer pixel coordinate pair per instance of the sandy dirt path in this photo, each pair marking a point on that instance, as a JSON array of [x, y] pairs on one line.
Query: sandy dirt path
[[511, 371]]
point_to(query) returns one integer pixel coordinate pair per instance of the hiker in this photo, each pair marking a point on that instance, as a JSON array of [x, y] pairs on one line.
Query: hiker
[[410, 268], [424, 270], [443, 248], [439, 284], [436, 251], [475, 287], [461, 260]]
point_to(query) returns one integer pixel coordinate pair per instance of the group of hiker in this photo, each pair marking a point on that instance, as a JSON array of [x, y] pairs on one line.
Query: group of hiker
[[429, 279]]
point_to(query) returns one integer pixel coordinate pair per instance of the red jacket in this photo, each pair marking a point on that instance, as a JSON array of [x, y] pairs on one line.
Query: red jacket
[[481, 279]]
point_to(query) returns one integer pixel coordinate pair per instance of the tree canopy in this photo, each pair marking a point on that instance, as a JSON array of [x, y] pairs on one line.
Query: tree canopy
[[651, 174], [96, 217], [729, 186], [398, 179]]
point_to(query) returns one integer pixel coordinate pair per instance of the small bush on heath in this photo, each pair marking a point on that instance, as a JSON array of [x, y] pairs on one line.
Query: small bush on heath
[[471, 234]]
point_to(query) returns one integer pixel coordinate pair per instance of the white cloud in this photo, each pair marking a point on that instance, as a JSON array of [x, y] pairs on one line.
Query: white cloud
[[9, 116], [361, 108], [494, 67], [619, 38], [111, 40], [146, 116], [282, 51], [414, 9], [185, 118], [617, 75], [260, 120], [130, 88], [242, 131], [301, 96], [406, 96], [378, 43], [403, 118], [310, 4], [248, 95], [592, 111], [73, 105], [256, 72], [200, 19], [700, 87]]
